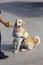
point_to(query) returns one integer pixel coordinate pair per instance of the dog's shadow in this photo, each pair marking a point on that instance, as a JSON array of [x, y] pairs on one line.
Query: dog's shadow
[[9, 47]]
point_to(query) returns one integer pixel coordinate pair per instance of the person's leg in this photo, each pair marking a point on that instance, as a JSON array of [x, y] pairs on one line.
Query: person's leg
[[2, 55], [0, 41]]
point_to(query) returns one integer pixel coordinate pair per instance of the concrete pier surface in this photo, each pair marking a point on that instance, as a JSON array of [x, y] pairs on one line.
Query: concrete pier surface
[[32, 14]]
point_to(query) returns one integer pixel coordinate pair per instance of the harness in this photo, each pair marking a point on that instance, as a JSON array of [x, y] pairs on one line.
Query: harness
[[26, 34]]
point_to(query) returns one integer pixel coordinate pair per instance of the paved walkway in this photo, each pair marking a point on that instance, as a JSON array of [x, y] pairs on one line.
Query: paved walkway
[[34, 25]]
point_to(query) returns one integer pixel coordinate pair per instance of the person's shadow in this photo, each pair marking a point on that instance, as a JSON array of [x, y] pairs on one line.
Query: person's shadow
[[7, 47]]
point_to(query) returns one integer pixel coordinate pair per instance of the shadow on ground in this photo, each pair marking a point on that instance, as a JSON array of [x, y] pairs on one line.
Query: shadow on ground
[[7, 47], [23, 9]]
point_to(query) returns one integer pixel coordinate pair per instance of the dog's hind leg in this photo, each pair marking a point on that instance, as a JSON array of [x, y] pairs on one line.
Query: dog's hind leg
[[29, 46]]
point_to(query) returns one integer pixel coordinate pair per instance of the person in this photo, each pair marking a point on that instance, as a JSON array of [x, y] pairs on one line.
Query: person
[[2, 55]]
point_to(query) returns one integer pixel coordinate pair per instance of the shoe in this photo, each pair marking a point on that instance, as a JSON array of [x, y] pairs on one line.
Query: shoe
[[3, 56]]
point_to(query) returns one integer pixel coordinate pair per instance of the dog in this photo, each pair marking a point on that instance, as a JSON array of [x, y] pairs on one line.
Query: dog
[[22, 36], [18, 34]]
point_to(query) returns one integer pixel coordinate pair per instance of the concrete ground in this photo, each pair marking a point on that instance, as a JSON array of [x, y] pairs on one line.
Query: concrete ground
[[32, 14]]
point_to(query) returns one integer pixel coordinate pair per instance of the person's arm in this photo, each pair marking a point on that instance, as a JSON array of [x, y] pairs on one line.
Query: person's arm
[[4, 22]]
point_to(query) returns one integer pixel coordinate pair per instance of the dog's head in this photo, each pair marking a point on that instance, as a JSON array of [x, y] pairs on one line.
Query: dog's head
[[19, 23]]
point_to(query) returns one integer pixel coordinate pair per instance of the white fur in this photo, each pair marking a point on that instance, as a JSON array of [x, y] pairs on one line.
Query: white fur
[[18, 40], [18, 34]]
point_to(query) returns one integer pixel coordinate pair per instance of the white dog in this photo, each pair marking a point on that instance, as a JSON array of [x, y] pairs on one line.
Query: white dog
[[20, 34]]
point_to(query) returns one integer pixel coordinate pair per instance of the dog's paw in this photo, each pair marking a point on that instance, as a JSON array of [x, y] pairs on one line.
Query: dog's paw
[[23, 49], [16, 52], [30, 47]]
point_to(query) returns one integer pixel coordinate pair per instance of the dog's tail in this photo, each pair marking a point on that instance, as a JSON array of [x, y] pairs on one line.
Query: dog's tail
[[37, 40]]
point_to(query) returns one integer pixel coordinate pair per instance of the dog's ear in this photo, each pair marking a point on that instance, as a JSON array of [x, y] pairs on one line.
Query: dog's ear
[[23, 23]]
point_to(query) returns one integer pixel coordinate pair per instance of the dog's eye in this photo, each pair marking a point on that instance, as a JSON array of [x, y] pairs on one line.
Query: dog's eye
[[19, 22]]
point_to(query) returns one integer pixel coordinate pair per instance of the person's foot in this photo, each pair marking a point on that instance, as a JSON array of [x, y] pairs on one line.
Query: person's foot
[[3, 56]]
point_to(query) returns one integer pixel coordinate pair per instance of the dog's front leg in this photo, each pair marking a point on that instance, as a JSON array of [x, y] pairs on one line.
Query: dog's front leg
[[18, 47]]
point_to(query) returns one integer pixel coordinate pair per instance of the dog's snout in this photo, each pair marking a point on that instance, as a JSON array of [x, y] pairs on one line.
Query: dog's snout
[[15, 24]]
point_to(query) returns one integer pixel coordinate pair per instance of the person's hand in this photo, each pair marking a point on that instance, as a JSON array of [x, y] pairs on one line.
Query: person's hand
[[9, 24], [6, 24]]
